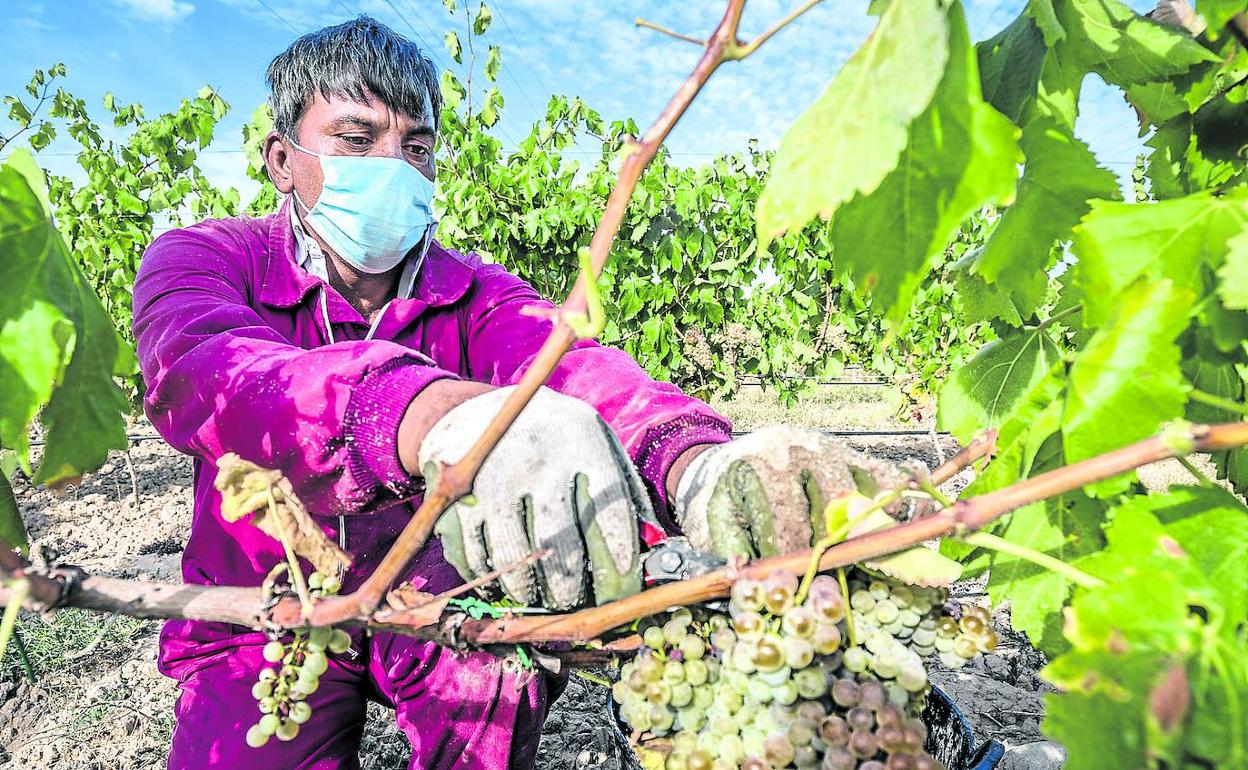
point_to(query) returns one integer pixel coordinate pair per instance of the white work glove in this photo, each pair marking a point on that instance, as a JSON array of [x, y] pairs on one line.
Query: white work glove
[[764, 494], [558, 479]]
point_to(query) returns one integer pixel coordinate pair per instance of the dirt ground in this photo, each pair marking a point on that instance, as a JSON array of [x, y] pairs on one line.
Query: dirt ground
[[99, 702]]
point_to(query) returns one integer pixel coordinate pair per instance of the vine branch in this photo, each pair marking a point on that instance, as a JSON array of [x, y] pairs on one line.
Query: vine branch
[[240, 605]]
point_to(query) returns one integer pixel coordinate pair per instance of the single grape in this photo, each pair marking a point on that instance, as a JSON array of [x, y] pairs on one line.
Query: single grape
[[778, 599], [652, 637], [307, 685], [838, 758], [339, 642], [315, 581], [799, 622], [778, 749], [834, 731], [747, 594], [684, 741], [811, 683], [826, 640], [677, 760], [909, 618], [267, 705], [801, 732], [760, 691], [287, 731], [754, 763], [674, 631], [805, 757], [682, 694], [899, 762], [862, 744], [964, 646], [798, 652], [901, 595], [692, 648], [786, 693], [269, 723], [811, 710], [944, 644], [879, 589], [768, 653], [889, 715], [650, 668], [860, 718], [274, 651], [661, 719], [749, 625], [703, 697], [315, 662], [731, 748], [890, 739], [926, 762], [261, 690], [897, 695], [330, 584], [987, 641], [923, 637], [862, 602], [683, 614], [319, 636], [947, 626], [845, 693], [856, 659], [692, 717], [659, 693], [696, 672], [723, 640], [914, 734], [673, 672], [300, 712], [885, 612], [268, 674], [913, 679], [256, 737]]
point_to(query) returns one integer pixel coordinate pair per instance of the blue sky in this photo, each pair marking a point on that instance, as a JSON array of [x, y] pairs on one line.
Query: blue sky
[[158, 51]]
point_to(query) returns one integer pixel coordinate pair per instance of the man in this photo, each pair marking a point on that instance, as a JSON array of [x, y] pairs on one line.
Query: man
[[338, 342]]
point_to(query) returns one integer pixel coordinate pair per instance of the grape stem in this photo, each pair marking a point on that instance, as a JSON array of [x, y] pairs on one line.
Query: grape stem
[[1001, 545], [849, 614], [1218, 402], [296, 574]]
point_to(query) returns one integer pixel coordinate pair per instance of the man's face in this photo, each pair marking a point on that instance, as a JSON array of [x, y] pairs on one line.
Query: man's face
[[340, 126]]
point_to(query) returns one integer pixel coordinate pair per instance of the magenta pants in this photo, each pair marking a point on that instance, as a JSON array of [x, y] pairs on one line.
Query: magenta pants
[[457, 710]]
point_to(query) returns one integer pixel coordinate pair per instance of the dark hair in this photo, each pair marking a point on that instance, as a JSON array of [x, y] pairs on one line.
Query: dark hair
[[345, 60]]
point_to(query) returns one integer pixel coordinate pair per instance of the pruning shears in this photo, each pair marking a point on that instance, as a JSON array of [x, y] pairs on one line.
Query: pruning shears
[[674, 559]]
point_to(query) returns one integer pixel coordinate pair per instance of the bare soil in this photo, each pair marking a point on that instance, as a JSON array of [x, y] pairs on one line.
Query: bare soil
[[100, 703]]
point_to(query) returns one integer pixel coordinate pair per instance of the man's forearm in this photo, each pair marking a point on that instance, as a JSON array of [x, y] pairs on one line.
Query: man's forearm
[[431, 405]]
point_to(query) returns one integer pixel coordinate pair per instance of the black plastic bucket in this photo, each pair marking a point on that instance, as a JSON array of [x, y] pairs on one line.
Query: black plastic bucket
[[949, 736]]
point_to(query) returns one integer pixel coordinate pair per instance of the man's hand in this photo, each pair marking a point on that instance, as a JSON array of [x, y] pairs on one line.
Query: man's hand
[[764, 494], [558, 479]]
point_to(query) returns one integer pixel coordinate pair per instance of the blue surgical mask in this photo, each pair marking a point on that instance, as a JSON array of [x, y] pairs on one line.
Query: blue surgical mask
[[372, 211]]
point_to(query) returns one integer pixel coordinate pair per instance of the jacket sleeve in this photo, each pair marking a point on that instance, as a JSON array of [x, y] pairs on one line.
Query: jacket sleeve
[[655, 421], [220, 379]]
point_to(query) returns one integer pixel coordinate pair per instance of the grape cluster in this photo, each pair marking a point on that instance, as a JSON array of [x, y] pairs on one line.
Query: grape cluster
[[282, 691], [776, 684], [917, 618]]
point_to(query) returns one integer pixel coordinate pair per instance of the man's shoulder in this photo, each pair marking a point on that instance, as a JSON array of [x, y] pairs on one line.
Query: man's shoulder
[[227, 235]]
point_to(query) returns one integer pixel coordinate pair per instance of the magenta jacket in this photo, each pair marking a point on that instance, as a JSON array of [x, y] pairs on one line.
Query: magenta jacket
[[236, 358]]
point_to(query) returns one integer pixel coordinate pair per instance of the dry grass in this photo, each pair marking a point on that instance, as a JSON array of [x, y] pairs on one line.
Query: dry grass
[[827, 407]]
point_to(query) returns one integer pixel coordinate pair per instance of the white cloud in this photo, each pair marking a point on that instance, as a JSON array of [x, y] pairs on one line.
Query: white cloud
[[158, 11]]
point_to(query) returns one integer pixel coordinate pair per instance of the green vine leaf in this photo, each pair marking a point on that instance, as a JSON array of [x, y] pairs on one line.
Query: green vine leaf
[[991, 388], [1174, 239], [960, 154], [1059, 179], [453, 47], [12, 528], [58, 349], [1126, 382], [828, 154], [481, 22]]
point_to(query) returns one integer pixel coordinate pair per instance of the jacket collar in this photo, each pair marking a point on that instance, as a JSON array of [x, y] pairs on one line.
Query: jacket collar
[[443, 279]]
